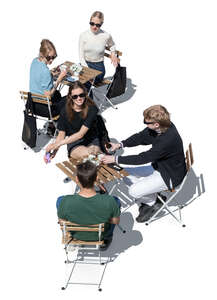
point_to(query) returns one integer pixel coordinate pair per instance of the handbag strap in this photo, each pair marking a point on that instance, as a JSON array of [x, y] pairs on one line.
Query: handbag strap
[[29, 104]]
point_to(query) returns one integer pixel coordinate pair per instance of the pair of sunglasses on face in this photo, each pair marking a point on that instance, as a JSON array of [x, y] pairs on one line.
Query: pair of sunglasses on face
[[48, 58], [82, 95], [148, 123], [94, 24]]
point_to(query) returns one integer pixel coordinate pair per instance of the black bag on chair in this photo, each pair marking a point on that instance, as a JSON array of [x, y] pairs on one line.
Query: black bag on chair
[[102, 133], [118, 85], [29, 134]]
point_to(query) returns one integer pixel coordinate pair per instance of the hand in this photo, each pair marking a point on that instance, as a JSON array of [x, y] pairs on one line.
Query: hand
[[62, 75], [114, 146], [54, 72], [52, 149], [114, 59], [108, 159]]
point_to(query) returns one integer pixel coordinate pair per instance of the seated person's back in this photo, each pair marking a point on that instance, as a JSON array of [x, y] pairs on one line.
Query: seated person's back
[[88, 211], [88, 207]]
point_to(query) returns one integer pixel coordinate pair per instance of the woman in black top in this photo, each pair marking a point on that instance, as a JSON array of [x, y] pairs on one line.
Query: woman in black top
[[77, 125]]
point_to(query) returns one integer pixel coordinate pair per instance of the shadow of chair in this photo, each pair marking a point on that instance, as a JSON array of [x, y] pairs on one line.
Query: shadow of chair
[[129, 92], [121, 242]]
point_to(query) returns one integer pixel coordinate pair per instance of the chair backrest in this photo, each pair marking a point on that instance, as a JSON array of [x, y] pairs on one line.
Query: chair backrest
[[189, 159], [36, 98], [67, 227], [108, 53], [41, 99]]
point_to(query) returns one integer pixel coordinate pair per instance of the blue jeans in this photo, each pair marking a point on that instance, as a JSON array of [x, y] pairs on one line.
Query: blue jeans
[[109, 233], [99, 66]]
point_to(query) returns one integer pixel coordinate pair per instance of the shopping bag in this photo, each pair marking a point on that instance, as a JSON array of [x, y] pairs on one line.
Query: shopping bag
[[118, 85]]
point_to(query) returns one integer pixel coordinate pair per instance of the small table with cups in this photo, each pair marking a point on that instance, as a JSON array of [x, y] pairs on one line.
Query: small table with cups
[[76, 72], [105, 173]]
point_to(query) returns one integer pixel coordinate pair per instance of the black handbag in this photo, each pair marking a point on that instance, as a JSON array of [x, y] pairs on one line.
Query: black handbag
[[118, 84], [29, 134], [102, 133]]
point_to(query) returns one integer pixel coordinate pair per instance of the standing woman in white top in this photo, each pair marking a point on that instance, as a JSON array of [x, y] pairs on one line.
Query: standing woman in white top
[[92, 44]]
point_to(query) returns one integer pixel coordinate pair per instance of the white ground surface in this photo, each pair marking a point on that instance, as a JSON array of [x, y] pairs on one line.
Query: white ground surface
[[169, 48]]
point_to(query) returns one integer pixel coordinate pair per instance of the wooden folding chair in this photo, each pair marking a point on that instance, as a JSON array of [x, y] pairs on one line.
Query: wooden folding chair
[[46, 100], [67, 239], [173, 192]]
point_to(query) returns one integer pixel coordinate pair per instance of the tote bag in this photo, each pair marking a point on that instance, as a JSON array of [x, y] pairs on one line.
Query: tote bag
[[118, 84], [29, 134]]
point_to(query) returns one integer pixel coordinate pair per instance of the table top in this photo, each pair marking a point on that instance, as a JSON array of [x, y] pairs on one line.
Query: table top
[[105, 173], [85, 75]]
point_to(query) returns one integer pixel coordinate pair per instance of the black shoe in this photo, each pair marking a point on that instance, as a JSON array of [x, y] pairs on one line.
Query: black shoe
[[106, 244], [149, 213], [143, 209]]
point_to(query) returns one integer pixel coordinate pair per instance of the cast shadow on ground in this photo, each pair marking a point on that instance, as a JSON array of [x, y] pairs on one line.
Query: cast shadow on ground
[[192, 189], [121, 241], [101, 91]]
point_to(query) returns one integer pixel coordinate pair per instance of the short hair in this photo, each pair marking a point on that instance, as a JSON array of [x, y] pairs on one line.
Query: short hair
[[46, 47], [87, 173], [159, 114], [99, 15]]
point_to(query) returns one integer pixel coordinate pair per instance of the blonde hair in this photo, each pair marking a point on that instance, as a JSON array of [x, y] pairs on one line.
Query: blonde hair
[[99, 15], [159, 114], [46, 47]]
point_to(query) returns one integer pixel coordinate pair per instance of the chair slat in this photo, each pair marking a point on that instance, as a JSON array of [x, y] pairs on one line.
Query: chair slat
[[187, 160], [191, 154]]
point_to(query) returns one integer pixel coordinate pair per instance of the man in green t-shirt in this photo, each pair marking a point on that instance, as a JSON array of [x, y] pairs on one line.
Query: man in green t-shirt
[[87, 207]]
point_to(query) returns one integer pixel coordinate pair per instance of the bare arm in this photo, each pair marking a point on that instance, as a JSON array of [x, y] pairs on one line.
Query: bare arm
[[74, 137], [59, 79]]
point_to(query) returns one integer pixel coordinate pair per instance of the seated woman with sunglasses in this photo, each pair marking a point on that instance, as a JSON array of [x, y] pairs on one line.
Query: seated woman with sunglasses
[[77, 125], [92, 44], [41, 79]]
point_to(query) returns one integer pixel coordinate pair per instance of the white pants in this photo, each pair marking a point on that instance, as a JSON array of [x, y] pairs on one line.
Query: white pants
[[144, 183]]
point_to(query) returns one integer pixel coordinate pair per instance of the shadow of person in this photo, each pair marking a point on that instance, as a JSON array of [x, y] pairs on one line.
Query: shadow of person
[[121, 241], [102, 90], [192, 189]]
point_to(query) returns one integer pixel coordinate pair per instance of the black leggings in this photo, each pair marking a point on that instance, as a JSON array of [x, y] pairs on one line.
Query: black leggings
[[58, 104]]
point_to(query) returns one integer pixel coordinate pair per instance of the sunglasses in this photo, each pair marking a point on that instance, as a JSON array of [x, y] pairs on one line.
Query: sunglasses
[[94, 24], [48, 58], [148, 123], [82, 95]]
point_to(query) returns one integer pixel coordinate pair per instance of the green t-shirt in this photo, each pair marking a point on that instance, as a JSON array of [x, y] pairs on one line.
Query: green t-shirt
[[88, 211]]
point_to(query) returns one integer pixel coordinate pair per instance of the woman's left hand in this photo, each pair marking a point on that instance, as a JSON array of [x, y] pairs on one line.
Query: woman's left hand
[[108, 159]]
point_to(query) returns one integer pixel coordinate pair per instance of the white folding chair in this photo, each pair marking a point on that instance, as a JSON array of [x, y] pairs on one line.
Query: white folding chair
[[172, 193], [82, 246]]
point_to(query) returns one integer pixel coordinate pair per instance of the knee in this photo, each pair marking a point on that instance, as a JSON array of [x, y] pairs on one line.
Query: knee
[[79, 152]]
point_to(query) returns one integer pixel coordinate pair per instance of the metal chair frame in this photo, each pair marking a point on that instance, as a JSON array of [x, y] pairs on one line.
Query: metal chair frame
[[46, 100], [189, 162], [66, 227], [105, 82]]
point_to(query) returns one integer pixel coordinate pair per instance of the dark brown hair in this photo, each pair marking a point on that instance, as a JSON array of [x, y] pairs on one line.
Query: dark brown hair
[[159, 114], [69, 102], [87, 173]]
